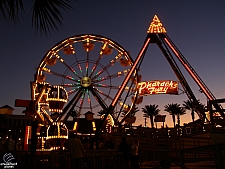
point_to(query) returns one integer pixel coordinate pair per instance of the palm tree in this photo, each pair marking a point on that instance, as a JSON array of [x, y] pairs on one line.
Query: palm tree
[[101, 112], [46, 14], [180, 111], [131, 114], [202, 109], [188, 105], [175, 110], [74, 114], [151, 111], [171, 109]]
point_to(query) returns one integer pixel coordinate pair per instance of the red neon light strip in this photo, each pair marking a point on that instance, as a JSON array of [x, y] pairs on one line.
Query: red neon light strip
[[87, 67], [26, 138], [80, 68], [199, 83], [93, 68], [189, 70], [130, 72]]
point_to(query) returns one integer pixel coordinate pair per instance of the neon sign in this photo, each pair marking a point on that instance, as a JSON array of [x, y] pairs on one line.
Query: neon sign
[[158, 87]]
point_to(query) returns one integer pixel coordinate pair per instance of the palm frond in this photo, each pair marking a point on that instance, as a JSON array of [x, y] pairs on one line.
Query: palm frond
[[151, 110], [11, 8], [47, 15]]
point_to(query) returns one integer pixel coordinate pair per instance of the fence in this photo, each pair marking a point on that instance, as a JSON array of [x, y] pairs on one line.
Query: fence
[[112, 159], [61, 160]]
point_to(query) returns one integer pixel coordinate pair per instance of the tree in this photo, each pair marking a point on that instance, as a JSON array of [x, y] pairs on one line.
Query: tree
[[101, 112], [188, 105], [129, 113], [180, 111], [175, 110], [74, 114], [46, 14], [132, 112], [202, 109], [151, 111]]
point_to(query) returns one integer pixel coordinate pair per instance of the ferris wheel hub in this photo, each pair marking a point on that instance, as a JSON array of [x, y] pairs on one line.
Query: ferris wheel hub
[[85, 81]]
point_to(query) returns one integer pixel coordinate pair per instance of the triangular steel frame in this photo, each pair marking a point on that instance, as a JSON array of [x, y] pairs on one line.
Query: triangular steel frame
[[156, 33]]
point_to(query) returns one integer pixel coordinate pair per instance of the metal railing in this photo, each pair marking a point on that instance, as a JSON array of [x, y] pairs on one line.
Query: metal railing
[[61, 159]]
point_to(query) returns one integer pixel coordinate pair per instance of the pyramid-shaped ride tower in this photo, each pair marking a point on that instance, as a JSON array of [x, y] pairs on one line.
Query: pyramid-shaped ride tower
[[156, 34]]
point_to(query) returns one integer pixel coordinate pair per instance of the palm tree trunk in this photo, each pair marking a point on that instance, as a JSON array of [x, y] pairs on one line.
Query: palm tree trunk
[[178, 120], [193, 115], [151, 121], [173, 116]]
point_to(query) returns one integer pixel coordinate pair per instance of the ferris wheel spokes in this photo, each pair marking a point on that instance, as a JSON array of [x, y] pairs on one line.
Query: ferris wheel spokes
[[106, 86], [59, 74], [69, 67], [99, 58], [89, 101], [87, 63], [112, 63], [116, 75]]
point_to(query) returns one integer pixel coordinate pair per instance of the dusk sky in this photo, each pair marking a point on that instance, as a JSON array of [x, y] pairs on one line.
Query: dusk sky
[[197, 28]]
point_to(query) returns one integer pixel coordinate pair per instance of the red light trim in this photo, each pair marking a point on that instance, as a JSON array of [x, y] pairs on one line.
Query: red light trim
[[93, 68], [130, 72], [26, 138], [80, 67], [86, 65], [189, 70]]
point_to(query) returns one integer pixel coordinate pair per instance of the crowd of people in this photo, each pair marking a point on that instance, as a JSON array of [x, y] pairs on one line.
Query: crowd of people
[[78, 146], [130, 152], [103, 143]]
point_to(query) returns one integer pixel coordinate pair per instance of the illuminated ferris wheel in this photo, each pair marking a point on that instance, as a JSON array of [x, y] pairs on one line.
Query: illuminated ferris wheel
[[83, 73]]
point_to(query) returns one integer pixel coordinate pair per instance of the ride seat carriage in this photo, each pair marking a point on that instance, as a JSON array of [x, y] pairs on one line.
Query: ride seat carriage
[[57, 134], [57, 97]]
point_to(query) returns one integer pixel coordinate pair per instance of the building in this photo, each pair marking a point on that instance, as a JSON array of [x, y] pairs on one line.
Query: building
[[6, 109], [14, 129]]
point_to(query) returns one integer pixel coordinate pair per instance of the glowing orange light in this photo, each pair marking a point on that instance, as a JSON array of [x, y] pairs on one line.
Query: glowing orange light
[[158, 87], [156, 26], [27, 133], [75, 126]]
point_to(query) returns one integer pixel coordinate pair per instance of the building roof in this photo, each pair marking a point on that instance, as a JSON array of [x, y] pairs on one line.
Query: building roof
[[15, 120], [6, 106]]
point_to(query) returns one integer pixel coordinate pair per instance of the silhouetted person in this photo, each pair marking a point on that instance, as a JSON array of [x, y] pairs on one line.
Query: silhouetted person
[[126, 149], [11, 144], [134, 159], [109, 144], [76, 152], [100, 145]]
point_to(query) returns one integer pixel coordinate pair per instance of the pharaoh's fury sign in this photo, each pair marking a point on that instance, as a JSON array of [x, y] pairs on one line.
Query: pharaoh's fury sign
[[158, 87]]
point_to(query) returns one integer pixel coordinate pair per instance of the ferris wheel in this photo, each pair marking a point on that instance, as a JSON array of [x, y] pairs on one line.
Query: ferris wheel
[[83, 73]]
